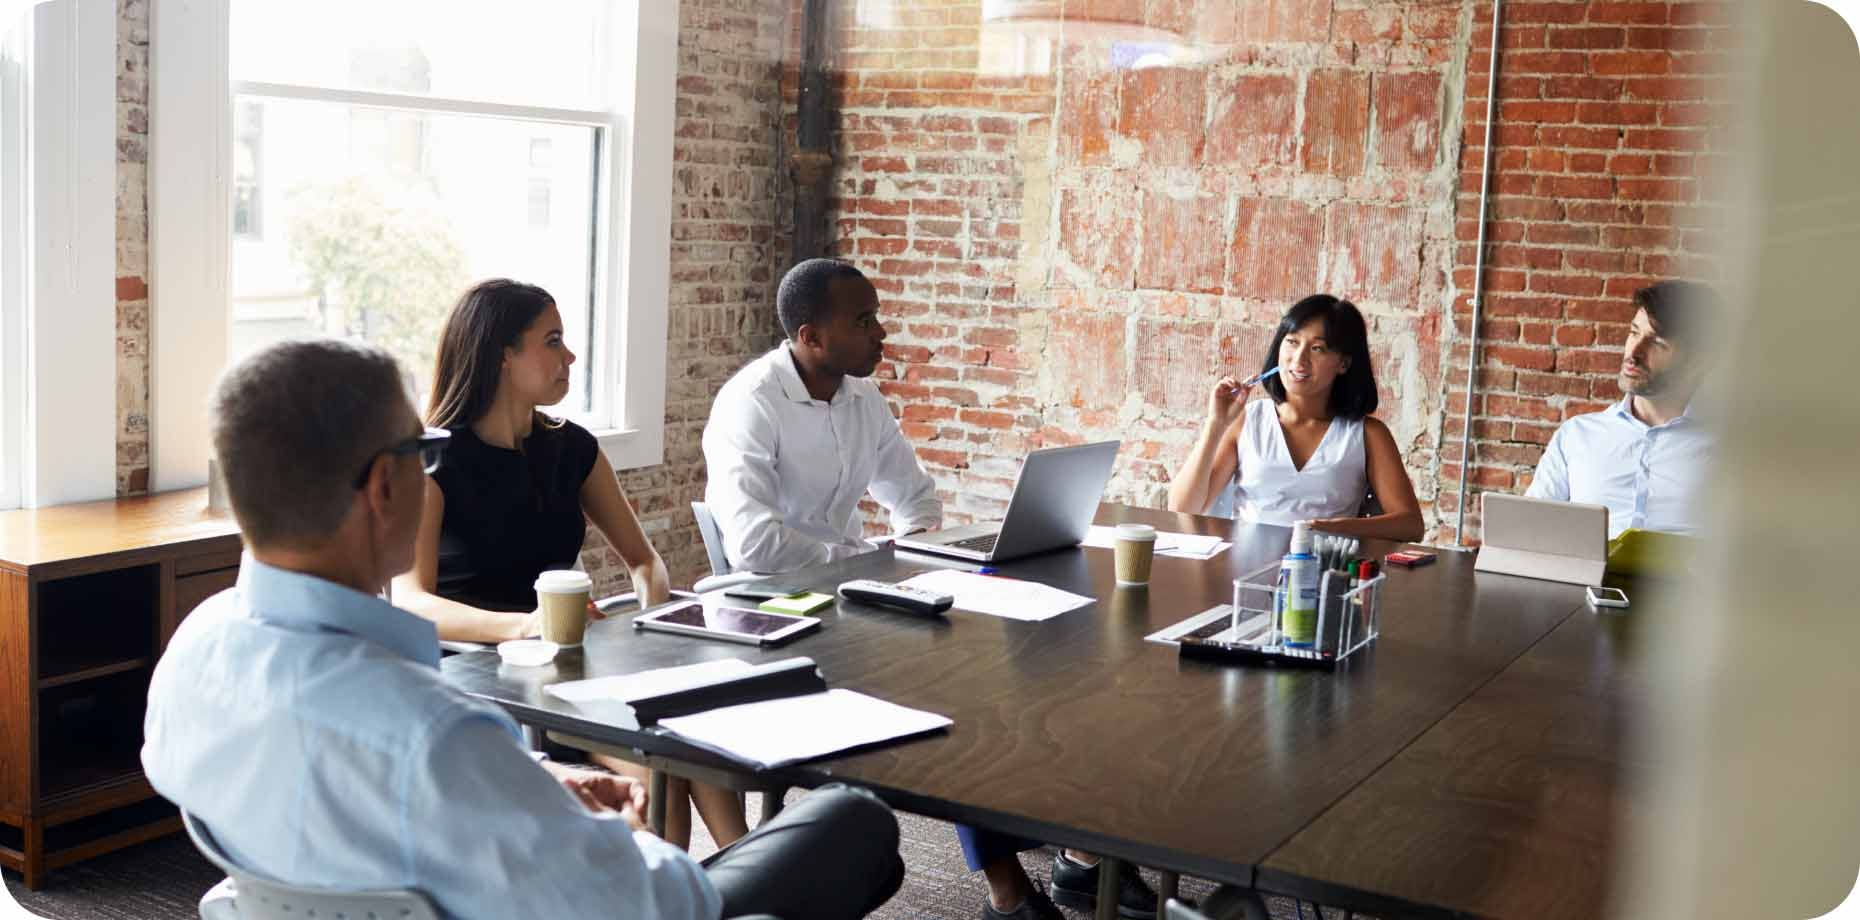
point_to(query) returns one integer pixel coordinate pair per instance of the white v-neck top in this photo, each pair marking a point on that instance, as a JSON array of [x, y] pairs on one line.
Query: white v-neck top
[[1271, 490]]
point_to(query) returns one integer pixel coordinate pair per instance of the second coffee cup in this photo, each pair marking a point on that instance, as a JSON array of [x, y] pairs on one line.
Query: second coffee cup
[[1135, 547], [563, 597]]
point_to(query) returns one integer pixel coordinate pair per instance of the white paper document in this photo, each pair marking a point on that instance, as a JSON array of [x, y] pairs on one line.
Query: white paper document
[[1183, 545], [1001, 597], [626, 688], [797, 728]]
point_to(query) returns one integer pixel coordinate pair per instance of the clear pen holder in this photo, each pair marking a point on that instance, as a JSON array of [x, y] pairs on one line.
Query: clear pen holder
[[1348, 612]]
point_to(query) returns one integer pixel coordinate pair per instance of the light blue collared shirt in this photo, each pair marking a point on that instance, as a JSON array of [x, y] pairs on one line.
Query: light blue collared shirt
[[307, 725], [1647, 476]]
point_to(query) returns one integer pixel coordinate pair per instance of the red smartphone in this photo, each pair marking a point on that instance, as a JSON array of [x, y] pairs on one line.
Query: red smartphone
[[1409, 558]]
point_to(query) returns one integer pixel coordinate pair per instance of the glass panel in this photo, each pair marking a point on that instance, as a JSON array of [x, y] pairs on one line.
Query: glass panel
[[488, 50], [376, 220]]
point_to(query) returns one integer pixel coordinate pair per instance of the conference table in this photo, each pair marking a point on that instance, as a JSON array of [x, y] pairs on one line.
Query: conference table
[[1470, 762]]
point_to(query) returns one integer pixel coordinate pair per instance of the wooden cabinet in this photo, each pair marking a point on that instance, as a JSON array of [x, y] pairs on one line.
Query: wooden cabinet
[[89, 595]]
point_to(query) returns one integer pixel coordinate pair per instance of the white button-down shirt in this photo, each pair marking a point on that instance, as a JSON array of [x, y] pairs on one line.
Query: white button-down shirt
[[787, 470], [307, 726], [1647, 476]]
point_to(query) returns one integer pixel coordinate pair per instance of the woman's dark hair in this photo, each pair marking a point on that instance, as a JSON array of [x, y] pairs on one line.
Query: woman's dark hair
[[489, 317], [1353, 395]]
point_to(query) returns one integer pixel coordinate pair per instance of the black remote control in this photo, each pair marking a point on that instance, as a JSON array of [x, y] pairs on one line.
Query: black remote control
[[886, 594]]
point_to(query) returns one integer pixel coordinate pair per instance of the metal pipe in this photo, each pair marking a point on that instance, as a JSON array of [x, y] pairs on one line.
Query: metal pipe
[[1478, 292], [812, 162]]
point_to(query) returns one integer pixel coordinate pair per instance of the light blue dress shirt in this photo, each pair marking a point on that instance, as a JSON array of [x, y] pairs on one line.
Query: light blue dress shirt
[[1647, 475], [307, 725]]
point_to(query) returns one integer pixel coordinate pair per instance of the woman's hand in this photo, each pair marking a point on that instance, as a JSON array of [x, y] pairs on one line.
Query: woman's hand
[[1226, 401]]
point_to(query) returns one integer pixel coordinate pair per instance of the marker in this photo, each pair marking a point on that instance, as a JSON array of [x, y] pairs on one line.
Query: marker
[[987, 570], [1261, 378]]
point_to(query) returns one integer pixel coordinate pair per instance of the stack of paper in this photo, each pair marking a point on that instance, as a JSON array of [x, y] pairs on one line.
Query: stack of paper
[[625, 688], [1181, 545], [797, 728], [1001, 597]]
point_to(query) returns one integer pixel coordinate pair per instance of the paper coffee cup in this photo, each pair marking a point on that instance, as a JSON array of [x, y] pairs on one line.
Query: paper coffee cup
[[563, 597], [1135, 547]]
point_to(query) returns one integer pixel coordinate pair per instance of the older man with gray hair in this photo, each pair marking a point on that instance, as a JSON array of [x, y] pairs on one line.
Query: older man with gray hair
[[303, 720]]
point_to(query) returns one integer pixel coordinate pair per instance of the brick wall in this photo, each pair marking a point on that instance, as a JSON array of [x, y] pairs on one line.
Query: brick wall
[[725, 216], [132, 248], [1071, 248], [1601, 184]]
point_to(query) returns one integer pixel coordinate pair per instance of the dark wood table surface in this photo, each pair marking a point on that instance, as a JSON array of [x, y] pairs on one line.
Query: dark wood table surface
[[1507, 808], [1077, 732]]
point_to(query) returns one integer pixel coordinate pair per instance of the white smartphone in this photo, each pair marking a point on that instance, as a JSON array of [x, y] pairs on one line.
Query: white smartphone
[[731, 624], [1607, 597]]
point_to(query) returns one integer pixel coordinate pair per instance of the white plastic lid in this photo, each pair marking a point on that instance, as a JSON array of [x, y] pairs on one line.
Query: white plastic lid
[[563, 581], [1136, 532], [1301, 537], [527, 653]]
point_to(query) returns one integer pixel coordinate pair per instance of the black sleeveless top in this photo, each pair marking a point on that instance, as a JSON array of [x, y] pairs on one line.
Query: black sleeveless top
[[511, 514]]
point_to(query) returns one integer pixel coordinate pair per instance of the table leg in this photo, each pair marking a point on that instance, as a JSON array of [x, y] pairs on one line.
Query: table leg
[[533, 737], [655, 801], [1110, 873], [1171, 886]]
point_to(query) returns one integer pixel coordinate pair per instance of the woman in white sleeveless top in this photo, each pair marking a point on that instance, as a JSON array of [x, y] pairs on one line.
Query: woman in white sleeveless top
[[1313, 452]]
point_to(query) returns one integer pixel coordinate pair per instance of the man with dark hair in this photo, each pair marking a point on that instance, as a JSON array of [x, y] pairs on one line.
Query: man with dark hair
[[1645, 456], [303, 719], [800, 435]]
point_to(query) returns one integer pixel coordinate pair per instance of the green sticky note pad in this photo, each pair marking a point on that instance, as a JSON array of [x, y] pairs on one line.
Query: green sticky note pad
[[798, 605]]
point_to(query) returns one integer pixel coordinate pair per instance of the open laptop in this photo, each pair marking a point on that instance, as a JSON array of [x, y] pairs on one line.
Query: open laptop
[[1055, 498], [1540, 538]]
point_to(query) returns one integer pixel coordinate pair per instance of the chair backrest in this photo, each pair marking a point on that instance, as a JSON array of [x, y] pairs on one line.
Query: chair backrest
[[713, 539], [263, 899]]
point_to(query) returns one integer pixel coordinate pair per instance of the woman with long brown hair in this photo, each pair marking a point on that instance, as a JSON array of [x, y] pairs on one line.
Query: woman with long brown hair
[[517, 492]]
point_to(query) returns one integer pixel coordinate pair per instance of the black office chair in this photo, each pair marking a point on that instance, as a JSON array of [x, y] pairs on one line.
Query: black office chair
[[1226, 903]]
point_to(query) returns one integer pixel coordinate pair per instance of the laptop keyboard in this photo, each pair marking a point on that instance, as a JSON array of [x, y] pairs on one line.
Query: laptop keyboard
[[982, 544]]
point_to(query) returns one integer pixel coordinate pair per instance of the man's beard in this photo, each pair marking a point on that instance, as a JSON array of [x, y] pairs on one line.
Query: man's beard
[[1650, 383]]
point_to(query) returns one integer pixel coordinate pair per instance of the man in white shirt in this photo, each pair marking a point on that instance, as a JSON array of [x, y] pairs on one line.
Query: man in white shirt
[[800, 435], [304, 720], [1644, 457]]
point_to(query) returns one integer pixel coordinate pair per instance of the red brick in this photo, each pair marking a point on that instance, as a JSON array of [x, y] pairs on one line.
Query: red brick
[[1092, 347], [1588, 39], [1408, 120], [1274, 255], [1336, 128], [1538, 13], [1373, 252], [1538, 112], [1618, 113], [1547, 62], [1261, 21], [1162, 109], [129, 287], [1588, 162], [1589, 260], [1367, 25], [1515, 356], [1097, 233], [1184, 243], [1087, 119], [1255, 121], [1525, 409], [1630, 63], [1573, 285], [1658, 189], [1576, 186], [1433, 22], [1631, 13], [1582, 88], [1656, 139], [1564, 234], [1582, 138]]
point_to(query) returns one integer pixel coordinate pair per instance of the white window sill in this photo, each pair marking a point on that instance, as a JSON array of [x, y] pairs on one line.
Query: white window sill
[[631, 448]]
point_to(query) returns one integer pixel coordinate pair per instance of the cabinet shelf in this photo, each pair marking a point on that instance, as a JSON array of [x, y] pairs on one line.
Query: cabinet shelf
[[86, 671]]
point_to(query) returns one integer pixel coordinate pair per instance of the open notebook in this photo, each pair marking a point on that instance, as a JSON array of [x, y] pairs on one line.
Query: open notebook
[[767, 715]]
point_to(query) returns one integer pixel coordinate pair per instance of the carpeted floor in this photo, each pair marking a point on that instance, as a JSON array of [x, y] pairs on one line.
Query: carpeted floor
[[164, 879]]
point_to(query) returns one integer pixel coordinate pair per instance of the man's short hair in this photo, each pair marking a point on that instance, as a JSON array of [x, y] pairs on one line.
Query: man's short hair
[[804, 295], [294, 424], [1684, 311]]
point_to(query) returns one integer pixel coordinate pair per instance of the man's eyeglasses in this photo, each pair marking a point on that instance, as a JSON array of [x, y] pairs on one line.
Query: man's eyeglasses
[[430, 443]]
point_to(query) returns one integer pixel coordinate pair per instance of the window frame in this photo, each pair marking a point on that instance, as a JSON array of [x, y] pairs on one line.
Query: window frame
[[58, 414], [190, 198]]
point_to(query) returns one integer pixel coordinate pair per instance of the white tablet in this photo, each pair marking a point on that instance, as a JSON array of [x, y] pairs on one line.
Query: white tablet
[[731, 624]]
